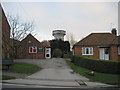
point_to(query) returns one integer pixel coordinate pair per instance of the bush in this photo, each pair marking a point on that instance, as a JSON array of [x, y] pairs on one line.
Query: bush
[[57, 53], [67, 55], [103, 66]]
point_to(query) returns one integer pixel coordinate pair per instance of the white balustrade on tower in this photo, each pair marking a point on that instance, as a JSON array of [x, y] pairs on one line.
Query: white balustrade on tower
[[59, 34]]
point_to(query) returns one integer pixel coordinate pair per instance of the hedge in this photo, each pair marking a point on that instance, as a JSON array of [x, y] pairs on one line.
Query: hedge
[[103, 66]]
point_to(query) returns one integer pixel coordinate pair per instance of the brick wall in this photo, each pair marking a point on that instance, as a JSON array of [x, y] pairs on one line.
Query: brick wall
[[114, 53], [78, 51], [5, 36], [0, 33], [23, 52]]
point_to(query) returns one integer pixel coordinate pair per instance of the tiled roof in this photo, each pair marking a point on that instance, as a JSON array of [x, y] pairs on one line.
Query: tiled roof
[[99, 39], [30, 40], [47, 44], [116, 40]]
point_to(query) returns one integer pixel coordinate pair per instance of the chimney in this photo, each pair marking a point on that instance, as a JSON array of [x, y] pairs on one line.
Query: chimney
[[114, 31]]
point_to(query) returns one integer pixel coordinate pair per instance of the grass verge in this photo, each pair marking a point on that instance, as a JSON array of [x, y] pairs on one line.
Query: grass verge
[[98, 77], [23, 68], [5, 77]]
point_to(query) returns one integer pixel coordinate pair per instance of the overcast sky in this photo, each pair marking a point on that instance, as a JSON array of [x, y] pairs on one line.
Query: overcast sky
[[78, 18]]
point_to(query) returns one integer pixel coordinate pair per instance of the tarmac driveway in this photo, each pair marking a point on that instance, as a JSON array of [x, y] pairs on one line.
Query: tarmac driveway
[[46, 63], [55, 72], [55, 68]]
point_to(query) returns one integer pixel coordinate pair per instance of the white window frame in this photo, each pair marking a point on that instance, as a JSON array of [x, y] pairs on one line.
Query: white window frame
[[90, 50], [33, 47], [118, 50]]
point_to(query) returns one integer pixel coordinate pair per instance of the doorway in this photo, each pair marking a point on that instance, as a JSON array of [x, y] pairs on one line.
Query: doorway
[[104, 53], [47, 52]]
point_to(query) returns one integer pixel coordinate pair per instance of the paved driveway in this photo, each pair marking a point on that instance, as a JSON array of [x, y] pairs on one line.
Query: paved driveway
[[46, 63], [55, 72]]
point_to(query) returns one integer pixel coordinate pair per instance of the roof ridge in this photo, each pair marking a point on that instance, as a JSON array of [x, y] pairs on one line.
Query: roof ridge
[[101, 38], [114, 39], [83, 38], [102, 33], [33, 37]]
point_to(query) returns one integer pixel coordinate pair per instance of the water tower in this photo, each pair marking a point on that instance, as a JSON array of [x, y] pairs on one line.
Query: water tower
[[59, 34]]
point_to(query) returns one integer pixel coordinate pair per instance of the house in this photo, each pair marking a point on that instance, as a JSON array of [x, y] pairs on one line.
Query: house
[[31, 48], [4, 25], [99, 45]]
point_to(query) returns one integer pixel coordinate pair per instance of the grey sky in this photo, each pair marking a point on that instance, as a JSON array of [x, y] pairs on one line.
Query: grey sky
[[78, 18]]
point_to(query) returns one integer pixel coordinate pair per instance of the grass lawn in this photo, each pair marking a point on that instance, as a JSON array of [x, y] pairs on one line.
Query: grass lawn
[[98, 77], [5, 77], [23, 68]]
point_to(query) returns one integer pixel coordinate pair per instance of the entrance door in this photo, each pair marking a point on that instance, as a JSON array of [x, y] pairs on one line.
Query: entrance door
[[47, 52], [104, 53]]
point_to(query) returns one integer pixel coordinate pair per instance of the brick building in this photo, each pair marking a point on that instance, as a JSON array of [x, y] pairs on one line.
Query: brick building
[[31, 48], [99, 45], [5, 35]]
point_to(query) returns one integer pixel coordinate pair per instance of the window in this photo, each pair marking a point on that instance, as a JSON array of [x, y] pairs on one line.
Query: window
[[40, 50], [32, 49], [118, 50], [87, 51], [106, 51]]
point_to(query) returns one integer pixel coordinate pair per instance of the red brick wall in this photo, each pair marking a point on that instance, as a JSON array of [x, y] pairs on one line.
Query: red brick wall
[[23, 52], [78, 51], [5, 36], [114, 53], [37, 56]]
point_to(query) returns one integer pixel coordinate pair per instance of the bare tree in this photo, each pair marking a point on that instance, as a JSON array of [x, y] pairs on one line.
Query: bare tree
[[71, 39], [19, 30], [68, 36]]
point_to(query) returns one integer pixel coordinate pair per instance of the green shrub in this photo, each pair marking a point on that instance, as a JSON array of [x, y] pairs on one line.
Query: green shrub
[[68, 55], [103, 66], [57, 53]]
